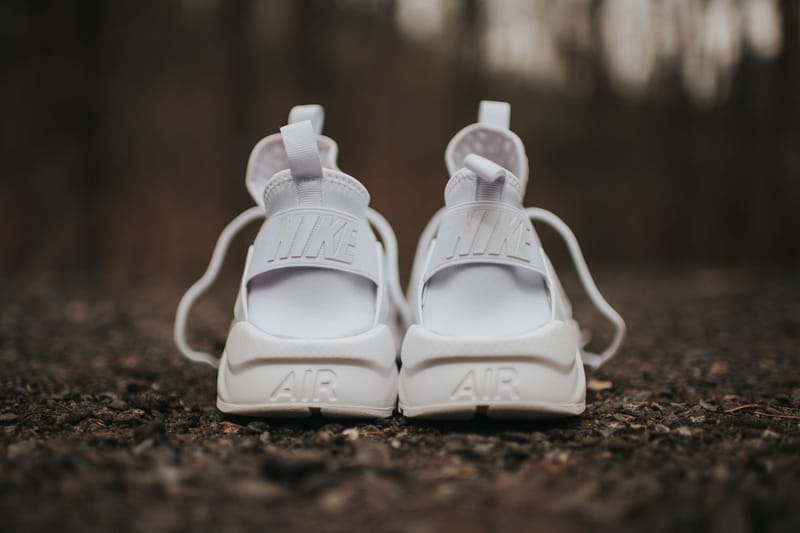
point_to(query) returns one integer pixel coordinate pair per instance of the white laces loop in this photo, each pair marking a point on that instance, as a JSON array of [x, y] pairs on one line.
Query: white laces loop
[[590, 359], [202, 284], [218, 256]]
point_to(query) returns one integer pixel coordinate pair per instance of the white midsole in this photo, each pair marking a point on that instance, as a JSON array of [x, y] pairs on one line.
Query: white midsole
[[538, 374], [351, 376]]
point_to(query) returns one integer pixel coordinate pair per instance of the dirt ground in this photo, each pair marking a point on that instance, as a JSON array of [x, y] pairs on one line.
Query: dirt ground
[[695, 427]]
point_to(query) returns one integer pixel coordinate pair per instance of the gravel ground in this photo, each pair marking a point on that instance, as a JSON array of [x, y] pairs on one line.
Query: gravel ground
[[696, 426]]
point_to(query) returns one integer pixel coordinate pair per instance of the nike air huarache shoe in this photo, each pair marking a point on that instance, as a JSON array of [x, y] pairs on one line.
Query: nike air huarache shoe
[[492, 329], [312, 329]]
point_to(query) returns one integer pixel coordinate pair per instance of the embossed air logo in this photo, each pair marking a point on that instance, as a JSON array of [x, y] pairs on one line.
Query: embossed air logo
[[314, 236], [501, 383], [306, 386], [492, 232]]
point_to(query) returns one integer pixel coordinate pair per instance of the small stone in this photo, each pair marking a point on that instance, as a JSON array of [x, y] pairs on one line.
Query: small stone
[[229, 428], [143, 447], [170, 477], [351, 434], [5, 418], [264, 438], [323, 437], [76, 311], [294, 464], [76, 416], [371, 453], [769, 434], [796, 396], [718, 368], [257, 489], [149, 430], [559, 457], [721, 472], [597, 385], [257, 426], [708, 406], [118, 404], [336, 499], [18, 449], [620, 445], [684, 431]]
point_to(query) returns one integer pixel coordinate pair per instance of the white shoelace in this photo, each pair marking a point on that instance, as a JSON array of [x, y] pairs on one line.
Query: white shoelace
[[590, 359], [221, 250]]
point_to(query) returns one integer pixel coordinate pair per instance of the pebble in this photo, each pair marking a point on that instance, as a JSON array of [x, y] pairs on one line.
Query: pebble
[[7, 417], [75, 416], [293, 464], [149, 430], [351, 433], [597, 385], [769, 434], [18, 449], [258, 489], [335, 500], [371, 453], [323, 437], [708, 406], [257, 426]]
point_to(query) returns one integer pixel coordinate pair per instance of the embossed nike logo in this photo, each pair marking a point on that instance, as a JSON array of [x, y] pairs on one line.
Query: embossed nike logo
[[492, 232], [313, 235]]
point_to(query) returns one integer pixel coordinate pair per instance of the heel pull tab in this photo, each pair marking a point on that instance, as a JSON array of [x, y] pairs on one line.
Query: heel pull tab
[[486, 170], [496, 114], [491, 177], [300, 143], [314, 113]]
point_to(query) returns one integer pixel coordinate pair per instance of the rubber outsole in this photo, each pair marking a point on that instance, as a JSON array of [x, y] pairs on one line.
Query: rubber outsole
[[497, 411], [265, 376], [305, 410], [537, 375]]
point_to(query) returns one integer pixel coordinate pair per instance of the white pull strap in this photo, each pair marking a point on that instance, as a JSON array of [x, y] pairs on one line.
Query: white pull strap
[[300, 142], [590, 359], [314, 113], [497, 114], [486, 170]]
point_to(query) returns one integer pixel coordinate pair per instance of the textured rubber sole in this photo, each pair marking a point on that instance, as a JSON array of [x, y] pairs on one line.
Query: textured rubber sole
[[502, 388], [332, 389], [532, 376], [499, 411], [353, 377], [305, 410]]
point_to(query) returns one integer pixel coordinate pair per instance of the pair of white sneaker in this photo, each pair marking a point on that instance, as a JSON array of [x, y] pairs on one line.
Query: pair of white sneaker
[[487, 326]]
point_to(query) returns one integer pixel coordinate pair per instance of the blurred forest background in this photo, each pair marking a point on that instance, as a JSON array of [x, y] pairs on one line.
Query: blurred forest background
[[666, 133]]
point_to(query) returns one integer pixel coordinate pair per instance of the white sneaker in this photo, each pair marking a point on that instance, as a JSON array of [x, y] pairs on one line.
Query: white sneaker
[[311, 329], [493, 331]]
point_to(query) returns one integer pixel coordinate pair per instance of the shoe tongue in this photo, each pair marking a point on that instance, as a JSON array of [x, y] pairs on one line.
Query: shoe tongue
[[482, 180], [336, 190]]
